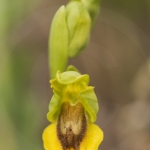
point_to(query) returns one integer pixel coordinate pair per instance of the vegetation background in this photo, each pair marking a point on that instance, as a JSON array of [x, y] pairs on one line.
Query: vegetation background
[[117, 60]]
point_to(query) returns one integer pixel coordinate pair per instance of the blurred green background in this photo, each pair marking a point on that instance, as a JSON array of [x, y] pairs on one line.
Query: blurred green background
[[117, 60]]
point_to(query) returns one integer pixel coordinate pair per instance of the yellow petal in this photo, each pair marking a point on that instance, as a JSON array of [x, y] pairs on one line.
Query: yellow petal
[[50, 139], [93, 138]]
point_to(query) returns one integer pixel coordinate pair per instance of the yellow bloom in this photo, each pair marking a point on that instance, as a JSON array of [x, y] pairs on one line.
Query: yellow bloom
[[72, 110]]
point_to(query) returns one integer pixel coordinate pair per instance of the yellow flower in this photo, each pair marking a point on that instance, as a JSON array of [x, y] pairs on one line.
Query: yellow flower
[[72, 110]]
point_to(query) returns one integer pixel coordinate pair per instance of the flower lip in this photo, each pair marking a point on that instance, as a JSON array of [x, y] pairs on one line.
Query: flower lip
[[70, 77]]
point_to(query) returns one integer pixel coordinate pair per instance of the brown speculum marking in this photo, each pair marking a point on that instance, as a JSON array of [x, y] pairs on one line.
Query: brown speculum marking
[[71, 126]]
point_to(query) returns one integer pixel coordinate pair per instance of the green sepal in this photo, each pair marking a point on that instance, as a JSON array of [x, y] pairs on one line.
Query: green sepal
[[58, 42], [70, 77], [79, 25], [54, 108], [90, 103], [72, 87], [72, 68]]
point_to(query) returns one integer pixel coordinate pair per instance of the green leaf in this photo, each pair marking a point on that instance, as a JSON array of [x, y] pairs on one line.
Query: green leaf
[[58, 43]]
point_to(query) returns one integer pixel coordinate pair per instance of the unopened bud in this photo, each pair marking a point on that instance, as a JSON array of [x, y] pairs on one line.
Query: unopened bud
[[79, 25]]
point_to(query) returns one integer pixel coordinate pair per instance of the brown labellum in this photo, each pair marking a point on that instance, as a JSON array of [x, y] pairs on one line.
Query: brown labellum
[[71, 126]]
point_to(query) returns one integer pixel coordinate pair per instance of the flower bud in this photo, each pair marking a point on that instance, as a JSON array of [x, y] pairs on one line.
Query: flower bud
[[93, 8], [79, 25]]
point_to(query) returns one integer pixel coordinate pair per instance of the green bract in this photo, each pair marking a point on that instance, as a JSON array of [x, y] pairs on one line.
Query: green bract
[[58, 44], [72, 87]]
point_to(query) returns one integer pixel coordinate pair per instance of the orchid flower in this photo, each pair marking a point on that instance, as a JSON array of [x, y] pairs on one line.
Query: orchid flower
[[72, 111]]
